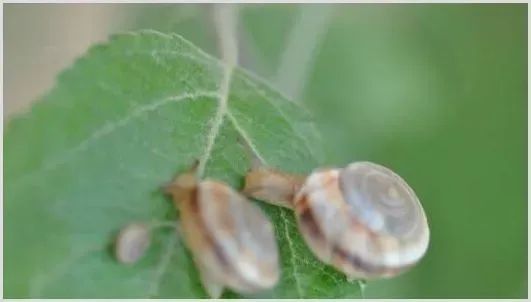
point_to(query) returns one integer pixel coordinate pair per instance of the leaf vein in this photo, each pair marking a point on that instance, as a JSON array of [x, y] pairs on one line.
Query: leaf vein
[[292, 252], [245, 136], [291, 247], [105, 130], [224, 16], [162, 267], [281, 113], [218, 119]]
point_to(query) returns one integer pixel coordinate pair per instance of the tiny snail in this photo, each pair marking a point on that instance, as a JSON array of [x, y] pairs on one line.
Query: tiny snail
[[132, 242], [362, 219], [231, 240]]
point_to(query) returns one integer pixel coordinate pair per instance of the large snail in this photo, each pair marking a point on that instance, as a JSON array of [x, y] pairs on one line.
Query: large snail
[[362, 219], [231, 240]]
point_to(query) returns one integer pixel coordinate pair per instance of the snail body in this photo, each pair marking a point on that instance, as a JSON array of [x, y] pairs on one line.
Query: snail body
[[362, 219], [231, 240]]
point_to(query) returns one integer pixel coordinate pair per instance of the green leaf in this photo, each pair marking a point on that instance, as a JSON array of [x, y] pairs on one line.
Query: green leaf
[[91, 155]]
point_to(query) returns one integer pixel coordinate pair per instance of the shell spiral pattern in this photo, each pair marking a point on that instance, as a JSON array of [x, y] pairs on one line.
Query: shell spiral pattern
[[381, 199], [363, 219]]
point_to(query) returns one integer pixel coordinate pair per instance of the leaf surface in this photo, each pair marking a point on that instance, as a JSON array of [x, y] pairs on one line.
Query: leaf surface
[[92, 154]]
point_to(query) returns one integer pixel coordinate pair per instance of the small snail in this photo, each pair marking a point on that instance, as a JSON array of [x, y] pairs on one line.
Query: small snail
[[132, 242], [231, 240], [363, 219], [134, 239]]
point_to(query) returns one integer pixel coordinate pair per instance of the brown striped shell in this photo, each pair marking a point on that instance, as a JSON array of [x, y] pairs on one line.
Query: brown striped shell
[[363, 219], [232, 241]]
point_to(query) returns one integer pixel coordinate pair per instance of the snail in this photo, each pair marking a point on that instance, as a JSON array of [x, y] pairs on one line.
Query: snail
[[134, 239], [132, 242], [231, 240], [362, 219]]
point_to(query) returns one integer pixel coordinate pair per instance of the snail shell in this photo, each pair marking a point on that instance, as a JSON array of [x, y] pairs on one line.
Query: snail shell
[[363, 219], [132, 242], [231, 240]]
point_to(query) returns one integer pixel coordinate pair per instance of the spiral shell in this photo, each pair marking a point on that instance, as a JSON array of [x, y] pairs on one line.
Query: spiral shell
[[231, 240], [363, 219]]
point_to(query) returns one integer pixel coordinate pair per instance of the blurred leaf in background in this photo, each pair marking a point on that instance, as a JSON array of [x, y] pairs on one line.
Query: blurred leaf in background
[[437, 92]]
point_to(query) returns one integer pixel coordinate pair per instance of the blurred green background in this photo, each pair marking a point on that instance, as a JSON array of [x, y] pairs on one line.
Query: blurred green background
[[437, 92]]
